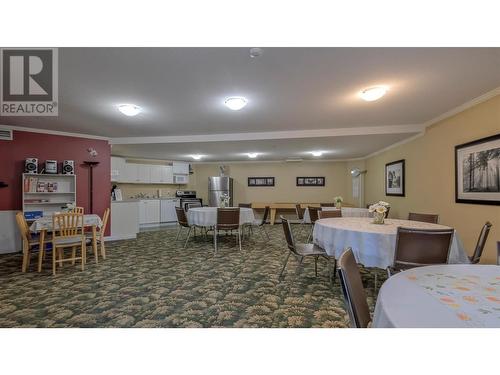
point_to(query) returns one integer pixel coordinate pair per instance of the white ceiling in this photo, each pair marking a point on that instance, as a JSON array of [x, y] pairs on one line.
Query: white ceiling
[[182, 92]]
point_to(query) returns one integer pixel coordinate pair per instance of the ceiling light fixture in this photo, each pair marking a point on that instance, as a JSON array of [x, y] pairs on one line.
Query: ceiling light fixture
[[316, 153], [235, 103], [252, 155], [129, 109], [373, 93], [256, 52], [196, 157]]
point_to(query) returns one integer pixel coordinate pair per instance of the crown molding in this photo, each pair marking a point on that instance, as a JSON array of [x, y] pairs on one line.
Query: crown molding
[[53, 132]]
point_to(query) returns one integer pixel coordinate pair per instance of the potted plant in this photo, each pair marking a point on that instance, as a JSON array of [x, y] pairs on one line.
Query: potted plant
[[379, 211]]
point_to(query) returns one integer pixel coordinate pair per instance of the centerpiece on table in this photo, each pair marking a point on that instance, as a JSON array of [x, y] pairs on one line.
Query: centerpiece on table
[[68, 207], [379, 211], [338, 201], [224, 200]]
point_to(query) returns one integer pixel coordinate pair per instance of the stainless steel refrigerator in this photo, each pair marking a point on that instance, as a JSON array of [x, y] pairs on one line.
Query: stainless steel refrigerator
[[218, 186]]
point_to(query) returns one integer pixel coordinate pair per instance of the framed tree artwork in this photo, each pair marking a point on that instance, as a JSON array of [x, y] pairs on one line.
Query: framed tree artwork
[[395, 178], [477, 171]]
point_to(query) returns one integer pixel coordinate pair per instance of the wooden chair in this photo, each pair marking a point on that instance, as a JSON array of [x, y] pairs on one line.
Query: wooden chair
[[329, 214], [29, 243], [68, 233], [313, 216], [228, 219], [327, 205], [77, 210], [420, 247], [352, 289], [183, 223], [302, 251], [245, 205], [100, 236], [426, 218], [481, 241]]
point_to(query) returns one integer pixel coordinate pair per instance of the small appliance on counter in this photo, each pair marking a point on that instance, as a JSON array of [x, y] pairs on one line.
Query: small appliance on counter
[[51, 166], [186, 197]]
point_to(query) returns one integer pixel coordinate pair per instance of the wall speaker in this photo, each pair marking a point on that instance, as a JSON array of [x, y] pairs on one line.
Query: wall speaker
[[68, 167], [31, 165]]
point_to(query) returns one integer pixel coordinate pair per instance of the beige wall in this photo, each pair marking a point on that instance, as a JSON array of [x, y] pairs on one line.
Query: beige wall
[[336, 173], [430, 175]]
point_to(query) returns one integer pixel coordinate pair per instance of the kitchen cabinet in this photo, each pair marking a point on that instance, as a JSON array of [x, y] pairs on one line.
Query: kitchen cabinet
[[121, 171], [149, 211], [167, 211], [167, 174], [181, 167], [117, 169], [155, 174]]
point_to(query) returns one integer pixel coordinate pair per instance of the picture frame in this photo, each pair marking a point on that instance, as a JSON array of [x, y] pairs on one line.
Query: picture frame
[[395, 178], [477, 171], [261, 181], [310, 181]]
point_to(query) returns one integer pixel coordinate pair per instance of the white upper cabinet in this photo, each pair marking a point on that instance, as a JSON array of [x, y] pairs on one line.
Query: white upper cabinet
[[181, 167], [117, 169], [167, 174], [155, 174]]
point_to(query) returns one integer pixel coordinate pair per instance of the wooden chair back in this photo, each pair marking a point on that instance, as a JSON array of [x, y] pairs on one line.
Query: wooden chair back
[[68, 224], [313, 213], [352, 288], [228, 218], [481, 241], [299, 211], [105, 218], [23, 227], [181, 217], [426, 218], [77, 210], [329, 214], [421, 247]]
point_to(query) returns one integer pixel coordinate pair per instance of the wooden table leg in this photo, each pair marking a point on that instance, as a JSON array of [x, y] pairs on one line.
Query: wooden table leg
[[41, 250], [273, 216], [94, 243]]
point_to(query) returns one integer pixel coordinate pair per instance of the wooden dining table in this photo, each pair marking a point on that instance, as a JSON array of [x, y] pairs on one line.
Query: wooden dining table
[[45, 224]]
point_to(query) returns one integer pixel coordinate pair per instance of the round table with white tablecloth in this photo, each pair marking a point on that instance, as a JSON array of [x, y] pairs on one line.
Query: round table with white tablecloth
[[207, 216], [444, 296], [373, 244], [346, 212]]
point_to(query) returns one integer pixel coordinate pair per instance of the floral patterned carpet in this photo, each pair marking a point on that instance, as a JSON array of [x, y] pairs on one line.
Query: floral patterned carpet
[[154, 282]]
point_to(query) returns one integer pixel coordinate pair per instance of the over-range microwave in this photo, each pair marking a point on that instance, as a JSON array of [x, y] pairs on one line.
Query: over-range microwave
[[180, 179]]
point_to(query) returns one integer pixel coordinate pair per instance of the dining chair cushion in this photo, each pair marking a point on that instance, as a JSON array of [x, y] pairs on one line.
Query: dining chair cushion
[[309, 249], [68, 241]]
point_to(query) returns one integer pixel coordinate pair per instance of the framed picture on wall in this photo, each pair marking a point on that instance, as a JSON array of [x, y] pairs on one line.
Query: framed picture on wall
[[395, 178], [260, 181], [477, 171], [310, 181]]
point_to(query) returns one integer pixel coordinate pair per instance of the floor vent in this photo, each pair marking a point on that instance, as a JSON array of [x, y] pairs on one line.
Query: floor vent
[[5, 135]]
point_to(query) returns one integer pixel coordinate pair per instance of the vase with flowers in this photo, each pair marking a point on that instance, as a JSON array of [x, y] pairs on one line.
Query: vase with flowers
[[338, 201], [379, 211], [224, 200]]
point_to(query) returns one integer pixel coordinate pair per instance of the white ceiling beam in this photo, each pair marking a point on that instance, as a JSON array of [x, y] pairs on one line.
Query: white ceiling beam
[[291, 134]]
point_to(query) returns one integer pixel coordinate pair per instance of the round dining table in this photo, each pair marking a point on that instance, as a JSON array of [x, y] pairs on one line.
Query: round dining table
[[346, 212], [373, 245], [207, 216], [444, 296]]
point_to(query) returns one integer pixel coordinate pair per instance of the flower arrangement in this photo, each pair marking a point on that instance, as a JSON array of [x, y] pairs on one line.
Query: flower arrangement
[[338, 201], [224, 200], [69, 207], [379, 210]]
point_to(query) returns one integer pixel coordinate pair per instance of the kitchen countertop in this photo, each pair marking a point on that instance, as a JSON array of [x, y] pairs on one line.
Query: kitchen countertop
[[131, 200]]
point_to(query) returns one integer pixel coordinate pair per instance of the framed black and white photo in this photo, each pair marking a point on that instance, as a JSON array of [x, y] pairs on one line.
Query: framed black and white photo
[[260, 181], [477, 171], [310, 181], [395, 178]]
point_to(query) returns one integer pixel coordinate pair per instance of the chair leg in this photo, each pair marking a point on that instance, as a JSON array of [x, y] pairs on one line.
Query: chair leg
[[84, 254], [239, 238], [316, 266], [41, 257], [178, 232], [334, 270], [54, 255], [310, 234], [216, 232], [73, 255], [187, 238], [25, 257], [28, 260], [103, 249], [284, 265]]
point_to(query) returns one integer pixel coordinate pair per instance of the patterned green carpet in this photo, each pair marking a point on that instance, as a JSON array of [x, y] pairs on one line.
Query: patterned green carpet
[[153, 282]]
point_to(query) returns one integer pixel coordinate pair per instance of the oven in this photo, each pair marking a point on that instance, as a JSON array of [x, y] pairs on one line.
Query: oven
[[187, 198]]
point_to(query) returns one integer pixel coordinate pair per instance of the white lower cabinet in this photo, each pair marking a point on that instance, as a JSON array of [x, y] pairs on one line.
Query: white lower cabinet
[[167, 211], [149, 211]]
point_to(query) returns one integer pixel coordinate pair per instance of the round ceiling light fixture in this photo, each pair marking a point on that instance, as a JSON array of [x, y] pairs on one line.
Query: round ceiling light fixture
[[196, 156], [129, 109], [235, 103], [373, 93], [317, 153], [256, 52], [252, 155]]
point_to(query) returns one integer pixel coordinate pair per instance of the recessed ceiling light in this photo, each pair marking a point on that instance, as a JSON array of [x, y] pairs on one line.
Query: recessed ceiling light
[[252, 155], [373, 93], [256, 52], [316, 153], [235, 103], [196, 157], [129, 109]]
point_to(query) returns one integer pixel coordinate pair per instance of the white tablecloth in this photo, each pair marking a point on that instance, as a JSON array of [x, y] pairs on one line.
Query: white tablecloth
[[440, 296], [373, 244], [207, 216], [346, 212], [45, 222]]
